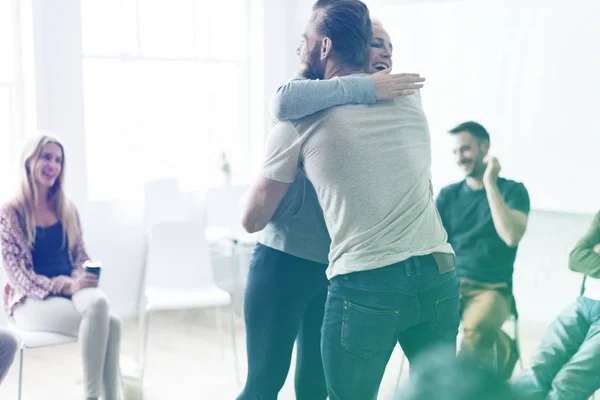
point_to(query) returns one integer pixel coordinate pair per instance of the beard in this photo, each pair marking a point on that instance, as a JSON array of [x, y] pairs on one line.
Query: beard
[[311, 68], [475, 173], [477, 170]]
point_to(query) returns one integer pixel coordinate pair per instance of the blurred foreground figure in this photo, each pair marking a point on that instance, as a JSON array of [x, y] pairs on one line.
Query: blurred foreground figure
[[463, 378]]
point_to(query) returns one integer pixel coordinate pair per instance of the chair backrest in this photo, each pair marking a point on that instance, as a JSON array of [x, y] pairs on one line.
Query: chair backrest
[[178, 257], [224, 209], [196, 206], [163, 201], [115, 234]]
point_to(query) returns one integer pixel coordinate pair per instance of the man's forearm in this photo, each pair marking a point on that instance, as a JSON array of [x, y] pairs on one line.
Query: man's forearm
[[585, 257], [585, 260], [261, 202], [510, 224]]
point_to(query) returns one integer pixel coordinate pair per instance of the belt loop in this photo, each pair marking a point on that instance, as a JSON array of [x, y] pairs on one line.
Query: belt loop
[[418, 269], [407, 266]]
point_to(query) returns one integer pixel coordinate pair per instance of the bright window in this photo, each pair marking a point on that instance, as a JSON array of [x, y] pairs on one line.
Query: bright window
[[166, 92]]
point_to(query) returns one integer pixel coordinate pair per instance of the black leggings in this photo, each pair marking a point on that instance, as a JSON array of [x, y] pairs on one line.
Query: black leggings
[[284, 301]]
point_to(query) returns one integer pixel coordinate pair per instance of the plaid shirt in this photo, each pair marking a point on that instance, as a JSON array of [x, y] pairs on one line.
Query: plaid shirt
[[22, 281]]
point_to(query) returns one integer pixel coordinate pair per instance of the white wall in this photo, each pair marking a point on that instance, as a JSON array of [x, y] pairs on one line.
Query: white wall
[[543, 283], [59, 82]]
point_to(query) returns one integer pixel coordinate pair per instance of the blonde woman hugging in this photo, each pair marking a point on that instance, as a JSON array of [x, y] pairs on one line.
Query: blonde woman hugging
[[43, 251]]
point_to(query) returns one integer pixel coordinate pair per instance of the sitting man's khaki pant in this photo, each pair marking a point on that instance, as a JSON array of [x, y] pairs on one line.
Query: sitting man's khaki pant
[[484, 309]]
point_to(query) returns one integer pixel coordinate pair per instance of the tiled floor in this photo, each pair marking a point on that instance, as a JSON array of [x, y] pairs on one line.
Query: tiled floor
[[185, 361]]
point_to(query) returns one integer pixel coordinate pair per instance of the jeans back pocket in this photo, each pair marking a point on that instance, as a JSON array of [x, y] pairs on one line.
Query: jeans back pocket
[[448, 318], [366, 331]]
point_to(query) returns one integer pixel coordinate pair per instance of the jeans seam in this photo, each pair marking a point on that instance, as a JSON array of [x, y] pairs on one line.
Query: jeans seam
[[390, 291], [369, 290], [443, 299]]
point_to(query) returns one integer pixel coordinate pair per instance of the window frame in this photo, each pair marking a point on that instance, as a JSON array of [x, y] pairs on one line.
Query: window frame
[[242, 175]]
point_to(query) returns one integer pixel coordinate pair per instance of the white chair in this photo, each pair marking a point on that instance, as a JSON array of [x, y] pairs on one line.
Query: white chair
[[179, 276], [224, 225], [34, 340], [163, 201], [224, 209], [29, 340]]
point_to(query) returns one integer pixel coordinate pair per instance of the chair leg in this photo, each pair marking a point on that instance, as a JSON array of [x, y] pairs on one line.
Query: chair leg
[[21, 372], [400, 374], [234, 344], [518, 343], [121, 385], [495, 358], [144, 325], [220, 330]]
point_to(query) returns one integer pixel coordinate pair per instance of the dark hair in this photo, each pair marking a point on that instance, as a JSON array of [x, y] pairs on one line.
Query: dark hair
[[475, 129], [348, 24]]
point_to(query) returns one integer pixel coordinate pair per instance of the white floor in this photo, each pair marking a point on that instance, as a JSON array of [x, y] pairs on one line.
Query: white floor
[[185, 361]]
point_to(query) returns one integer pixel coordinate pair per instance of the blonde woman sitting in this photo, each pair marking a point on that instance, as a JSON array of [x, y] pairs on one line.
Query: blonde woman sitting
[[43, 251]]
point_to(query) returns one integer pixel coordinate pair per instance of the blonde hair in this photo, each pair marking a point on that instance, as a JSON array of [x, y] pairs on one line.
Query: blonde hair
[[376, 22], [27, 193]]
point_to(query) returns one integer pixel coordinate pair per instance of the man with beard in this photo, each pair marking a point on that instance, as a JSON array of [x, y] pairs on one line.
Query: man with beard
[[286, 288], [391, 269], [485, 217]]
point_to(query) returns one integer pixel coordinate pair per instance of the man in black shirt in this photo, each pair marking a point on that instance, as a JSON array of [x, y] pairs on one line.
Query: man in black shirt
[[485, 217]]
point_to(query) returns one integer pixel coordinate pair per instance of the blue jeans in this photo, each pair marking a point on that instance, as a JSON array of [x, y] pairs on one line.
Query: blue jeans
[[284, 302], [567, 363], [368, 312]]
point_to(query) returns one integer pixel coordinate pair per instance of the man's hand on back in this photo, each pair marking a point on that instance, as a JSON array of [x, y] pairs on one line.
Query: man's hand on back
[[597, 248], [394, 85]]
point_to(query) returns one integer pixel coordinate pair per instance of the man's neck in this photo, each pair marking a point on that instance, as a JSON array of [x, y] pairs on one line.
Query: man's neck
[[475, 182], [341, 70]]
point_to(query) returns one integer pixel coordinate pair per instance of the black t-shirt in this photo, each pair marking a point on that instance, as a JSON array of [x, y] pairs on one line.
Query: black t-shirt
[[49, 257], [480, 253]]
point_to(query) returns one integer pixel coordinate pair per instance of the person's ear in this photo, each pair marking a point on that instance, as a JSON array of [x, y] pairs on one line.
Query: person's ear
[[326, 47], [485, 146]]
